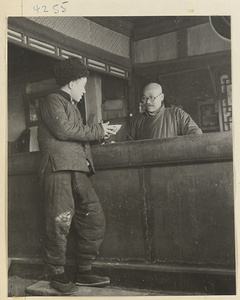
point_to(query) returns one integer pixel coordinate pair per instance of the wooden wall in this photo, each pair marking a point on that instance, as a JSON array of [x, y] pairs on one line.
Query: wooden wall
[[202, 39], [189, 41], [163, 47]]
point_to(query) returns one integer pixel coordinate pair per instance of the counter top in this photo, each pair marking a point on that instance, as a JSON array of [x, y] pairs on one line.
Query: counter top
[[209, 147]]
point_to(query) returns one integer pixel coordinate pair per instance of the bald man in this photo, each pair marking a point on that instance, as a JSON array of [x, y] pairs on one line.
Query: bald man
[[159, 121]]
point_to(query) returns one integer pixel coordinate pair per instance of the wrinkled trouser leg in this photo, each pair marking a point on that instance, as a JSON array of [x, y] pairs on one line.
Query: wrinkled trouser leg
[[89, 221], [59, 210], [59, 188]]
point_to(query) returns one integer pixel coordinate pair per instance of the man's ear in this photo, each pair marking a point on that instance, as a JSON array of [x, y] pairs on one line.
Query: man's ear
[[70, 85], [162, 96]]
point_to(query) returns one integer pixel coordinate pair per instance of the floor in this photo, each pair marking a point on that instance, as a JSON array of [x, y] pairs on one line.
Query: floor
[[20, 287]]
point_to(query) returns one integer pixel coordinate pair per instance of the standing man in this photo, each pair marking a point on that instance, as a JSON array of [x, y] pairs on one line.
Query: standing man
[[66, 163], [159, 121]]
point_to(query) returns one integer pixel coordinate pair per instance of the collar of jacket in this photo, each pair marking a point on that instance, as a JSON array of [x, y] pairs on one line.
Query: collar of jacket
[[66, 96]]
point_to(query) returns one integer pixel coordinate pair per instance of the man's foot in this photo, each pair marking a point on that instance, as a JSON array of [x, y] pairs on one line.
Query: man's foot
[[62, 284], [88, 278]]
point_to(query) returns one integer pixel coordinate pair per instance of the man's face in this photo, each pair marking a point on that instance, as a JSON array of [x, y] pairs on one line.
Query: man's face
[[152, 97], [78, 88]]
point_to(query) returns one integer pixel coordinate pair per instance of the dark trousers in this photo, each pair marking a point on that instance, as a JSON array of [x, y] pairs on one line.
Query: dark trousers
[[69, 197]]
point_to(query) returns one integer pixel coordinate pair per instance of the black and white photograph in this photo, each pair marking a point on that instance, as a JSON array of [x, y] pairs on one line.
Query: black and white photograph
[[120, 174]]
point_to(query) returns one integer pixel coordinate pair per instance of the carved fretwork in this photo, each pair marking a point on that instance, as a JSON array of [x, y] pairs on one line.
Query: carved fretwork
[[226, 102]]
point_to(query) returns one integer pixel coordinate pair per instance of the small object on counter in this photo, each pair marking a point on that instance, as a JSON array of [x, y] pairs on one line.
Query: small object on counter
[[117, 127], [107, 137]]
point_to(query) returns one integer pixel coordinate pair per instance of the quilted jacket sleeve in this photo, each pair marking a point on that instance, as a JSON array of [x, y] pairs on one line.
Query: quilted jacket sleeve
[[67, 126], [186, 124], [132, 134]]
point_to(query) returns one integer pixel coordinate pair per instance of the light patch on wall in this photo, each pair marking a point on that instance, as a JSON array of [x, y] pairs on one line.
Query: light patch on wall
[[202, 39], [158, 48], [16, 114], [93, 99], [33, 143]]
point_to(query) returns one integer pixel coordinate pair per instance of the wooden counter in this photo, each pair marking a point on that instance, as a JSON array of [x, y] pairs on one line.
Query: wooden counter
[[168, 204]]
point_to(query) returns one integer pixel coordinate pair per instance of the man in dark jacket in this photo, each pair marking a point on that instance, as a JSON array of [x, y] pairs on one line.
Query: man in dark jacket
[[158, 121], [66, 162]]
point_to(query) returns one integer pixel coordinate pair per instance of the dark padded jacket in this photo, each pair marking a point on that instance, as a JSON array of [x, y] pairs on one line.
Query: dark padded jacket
[[168, 122], [62, 136]]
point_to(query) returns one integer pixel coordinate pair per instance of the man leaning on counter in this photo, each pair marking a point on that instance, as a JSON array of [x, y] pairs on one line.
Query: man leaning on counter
[[158, 121]]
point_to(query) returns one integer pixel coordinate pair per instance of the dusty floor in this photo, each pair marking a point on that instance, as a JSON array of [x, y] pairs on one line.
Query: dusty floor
[[18, 285]]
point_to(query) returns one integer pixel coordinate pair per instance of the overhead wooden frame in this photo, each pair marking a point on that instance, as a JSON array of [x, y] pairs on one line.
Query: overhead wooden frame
[[35, 37], [142, 27]]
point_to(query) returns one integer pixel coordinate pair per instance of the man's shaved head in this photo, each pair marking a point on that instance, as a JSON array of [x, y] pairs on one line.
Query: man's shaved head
[[152, 87], [152, 97]]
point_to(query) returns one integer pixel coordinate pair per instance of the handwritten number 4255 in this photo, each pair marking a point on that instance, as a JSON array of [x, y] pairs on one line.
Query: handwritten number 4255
[[55, 8]]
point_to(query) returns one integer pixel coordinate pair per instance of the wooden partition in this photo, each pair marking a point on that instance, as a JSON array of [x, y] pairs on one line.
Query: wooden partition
[[169, 208]]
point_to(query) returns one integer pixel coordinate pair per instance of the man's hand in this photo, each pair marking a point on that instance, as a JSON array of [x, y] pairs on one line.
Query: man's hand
[[108, 130]]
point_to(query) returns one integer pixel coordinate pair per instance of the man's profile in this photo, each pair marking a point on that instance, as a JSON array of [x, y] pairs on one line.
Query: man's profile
[[66, 163]]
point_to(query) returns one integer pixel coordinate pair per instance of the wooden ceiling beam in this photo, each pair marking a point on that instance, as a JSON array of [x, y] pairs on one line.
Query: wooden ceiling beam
[[45, 34], [176, 65], [143, 27], [165, 25]]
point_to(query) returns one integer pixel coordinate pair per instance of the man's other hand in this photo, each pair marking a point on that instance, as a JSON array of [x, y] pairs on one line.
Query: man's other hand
[[108, 130]]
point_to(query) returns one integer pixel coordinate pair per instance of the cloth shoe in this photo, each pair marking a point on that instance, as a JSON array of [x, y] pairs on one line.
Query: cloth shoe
[[88, 278], [62, 284]]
